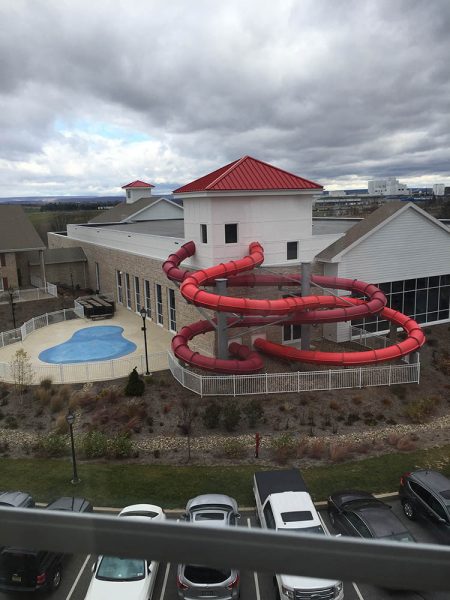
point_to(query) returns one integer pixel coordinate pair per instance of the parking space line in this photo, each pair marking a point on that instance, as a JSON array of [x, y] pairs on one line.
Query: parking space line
[[255, 574], [166, 575], [72, 589], [358, 593]]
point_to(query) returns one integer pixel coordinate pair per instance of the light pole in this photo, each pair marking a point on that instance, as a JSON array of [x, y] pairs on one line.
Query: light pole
[[143, 313], [70, 418], [10, 291]]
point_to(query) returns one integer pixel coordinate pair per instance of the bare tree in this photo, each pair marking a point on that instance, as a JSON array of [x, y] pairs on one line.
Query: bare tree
[[21, 371]]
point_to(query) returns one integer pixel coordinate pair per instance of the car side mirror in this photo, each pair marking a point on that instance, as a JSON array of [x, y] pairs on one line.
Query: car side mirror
[[184, 517], [237, 516], [149, 568], [442, 520]]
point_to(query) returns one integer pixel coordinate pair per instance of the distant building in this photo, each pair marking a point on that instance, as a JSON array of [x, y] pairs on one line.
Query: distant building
[[387, 187], [439, 189]]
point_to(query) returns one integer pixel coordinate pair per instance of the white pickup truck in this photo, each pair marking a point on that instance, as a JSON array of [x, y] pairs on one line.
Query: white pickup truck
[[283, 503]]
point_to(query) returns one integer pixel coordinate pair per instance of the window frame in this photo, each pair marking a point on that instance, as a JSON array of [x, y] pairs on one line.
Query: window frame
[[227, 232], [293, 244], [204, 233]]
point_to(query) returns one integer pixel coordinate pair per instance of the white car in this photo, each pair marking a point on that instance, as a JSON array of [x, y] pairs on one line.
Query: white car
[[117, 578]]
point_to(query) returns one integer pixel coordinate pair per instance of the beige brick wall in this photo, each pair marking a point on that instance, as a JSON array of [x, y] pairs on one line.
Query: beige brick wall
[[10, 269]]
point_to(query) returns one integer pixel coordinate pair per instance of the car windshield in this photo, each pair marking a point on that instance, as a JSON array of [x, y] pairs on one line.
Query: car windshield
[[209, 516], [205, 575], [140, 513], [112, 568], [314, 529]]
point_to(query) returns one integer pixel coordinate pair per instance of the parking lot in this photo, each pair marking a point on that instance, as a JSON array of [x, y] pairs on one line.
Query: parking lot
[[254, 586]]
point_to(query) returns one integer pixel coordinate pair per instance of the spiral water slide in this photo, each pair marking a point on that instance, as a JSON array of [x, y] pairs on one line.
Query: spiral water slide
[[295, 310]]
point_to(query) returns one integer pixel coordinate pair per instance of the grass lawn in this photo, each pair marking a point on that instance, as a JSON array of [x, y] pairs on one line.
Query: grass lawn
[[117, 485]]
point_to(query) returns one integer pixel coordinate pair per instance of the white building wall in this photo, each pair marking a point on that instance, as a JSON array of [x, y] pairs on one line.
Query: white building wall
[[134, 194], [269, 219], [160, 210], [409, 246]]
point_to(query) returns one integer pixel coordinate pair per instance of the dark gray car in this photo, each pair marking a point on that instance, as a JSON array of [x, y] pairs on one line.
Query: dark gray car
[[360, 514], [195, 582], [426, 493]]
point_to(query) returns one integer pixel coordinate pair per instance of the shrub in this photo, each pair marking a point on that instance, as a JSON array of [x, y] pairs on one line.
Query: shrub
[[419, 410], [11, 422], [357, 400], [52, 445], [43, 396], [317, 449], [334, 405], [352, 418], [56, 404], [253, 411], [135, 385], [211, 415], [109, 395], [94, 445], [61, 425], [46, 383], [232, 448], [283, 447], [64, 392], [406, 444], [120, 447], [231, 415], [339, 452]]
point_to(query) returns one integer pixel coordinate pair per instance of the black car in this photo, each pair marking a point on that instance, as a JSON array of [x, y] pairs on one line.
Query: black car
[[427, 494], [360, 514], [31, 570]]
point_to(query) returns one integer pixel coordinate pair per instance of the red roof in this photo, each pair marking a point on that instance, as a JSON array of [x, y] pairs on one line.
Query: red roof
[[247, 173], [137, 184]]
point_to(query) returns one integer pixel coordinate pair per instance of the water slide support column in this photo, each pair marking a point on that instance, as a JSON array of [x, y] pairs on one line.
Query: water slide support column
[[222, 334], [306, 290]]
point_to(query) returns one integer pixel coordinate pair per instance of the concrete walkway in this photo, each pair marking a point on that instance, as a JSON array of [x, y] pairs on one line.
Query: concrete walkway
[[158, 339]]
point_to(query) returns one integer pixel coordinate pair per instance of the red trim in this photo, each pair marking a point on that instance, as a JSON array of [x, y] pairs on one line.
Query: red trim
[[137, 184]]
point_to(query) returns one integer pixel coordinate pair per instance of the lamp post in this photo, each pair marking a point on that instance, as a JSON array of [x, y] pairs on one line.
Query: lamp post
[[70, 418], [143, 313], [10, 291]]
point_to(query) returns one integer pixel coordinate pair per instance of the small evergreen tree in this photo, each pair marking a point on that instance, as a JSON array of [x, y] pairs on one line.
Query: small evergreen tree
[[231, 415], [135, 385]]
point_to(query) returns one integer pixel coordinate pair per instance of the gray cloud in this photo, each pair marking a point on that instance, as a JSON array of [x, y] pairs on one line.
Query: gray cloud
[[332, 91]]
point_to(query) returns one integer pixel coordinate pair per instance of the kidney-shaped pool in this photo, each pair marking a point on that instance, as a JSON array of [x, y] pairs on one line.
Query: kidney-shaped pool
[[91, 344]]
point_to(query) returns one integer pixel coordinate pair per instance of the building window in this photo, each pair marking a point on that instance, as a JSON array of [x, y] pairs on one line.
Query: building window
[[128, 193], [137, 294], [97, 277], [148, 304], [426, 300], [119, 287], [172, 311], [159, 305], [204, 233], [128, 289], [292, 250], [2, 260], [292, 333], [231, 233]]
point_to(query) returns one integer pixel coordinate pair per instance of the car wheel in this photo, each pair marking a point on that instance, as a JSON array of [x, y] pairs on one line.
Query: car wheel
[[408, 509], [55, 580]]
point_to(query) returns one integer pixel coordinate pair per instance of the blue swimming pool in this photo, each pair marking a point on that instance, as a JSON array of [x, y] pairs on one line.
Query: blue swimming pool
[[91, 344]]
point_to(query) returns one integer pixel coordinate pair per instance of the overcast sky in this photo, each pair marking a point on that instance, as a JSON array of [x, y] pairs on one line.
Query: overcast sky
[[95, 94]]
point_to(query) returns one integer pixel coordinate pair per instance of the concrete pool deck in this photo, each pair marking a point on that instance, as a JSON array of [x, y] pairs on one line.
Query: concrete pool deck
[[158, 339]]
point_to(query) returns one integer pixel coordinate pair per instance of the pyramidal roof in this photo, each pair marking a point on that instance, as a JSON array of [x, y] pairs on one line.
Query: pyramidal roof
[[248, 174], [137, 184]]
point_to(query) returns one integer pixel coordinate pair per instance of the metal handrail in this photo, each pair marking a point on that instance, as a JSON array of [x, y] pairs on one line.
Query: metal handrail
[[393, 564]]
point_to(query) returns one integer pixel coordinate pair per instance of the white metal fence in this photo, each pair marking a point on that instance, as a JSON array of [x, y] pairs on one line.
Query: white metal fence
[[28, 295], [306, 381], [49, 287], [19, 334], [90, 371]]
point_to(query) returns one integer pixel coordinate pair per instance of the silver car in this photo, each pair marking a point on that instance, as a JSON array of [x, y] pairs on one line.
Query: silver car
[[195, 582]]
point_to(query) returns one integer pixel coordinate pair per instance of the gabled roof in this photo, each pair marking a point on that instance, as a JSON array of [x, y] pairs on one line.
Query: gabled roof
[[248, 174], [125, 211], [369, 225], [137, 184], [16, 231]]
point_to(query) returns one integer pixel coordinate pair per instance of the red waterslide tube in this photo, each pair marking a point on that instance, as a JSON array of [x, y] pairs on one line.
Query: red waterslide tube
[[310, 309]]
